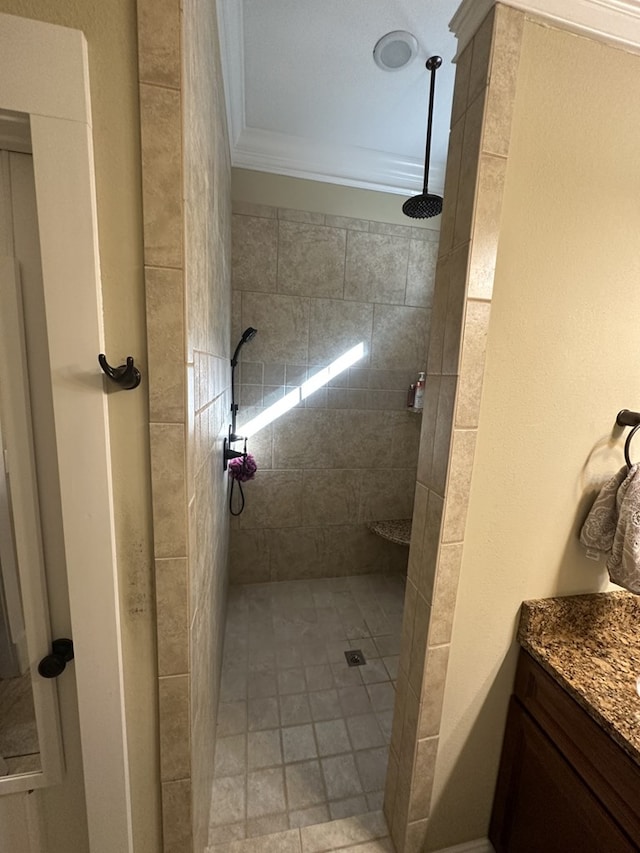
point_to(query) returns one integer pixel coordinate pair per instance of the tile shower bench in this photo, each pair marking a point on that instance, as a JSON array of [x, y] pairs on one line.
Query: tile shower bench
[[569, 775], [395, 530]]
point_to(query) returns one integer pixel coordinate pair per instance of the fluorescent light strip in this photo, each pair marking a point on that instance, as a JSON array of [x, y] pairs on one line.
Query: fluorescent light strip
[[318, 380]]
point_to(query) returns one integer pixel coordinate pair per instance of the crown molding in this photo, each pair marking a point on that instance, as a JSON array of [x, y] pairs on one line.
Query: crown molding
[[278, 153], [612, 21], [298, 157]]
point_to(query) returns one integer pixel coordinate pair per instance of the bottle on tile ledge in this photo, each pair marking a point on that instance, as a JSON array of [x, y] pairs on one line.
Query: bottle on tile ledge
[[411, 395], [418, 400]]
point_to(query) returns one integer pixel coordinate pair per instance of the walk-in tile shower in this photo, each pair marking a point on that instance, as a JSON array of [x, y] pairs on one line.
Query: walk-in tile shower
[[343, 309]]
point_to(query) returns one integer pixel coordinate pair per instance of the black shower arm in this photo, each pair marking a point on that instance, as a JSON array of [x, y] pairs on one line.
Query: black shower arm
[[432, 65]]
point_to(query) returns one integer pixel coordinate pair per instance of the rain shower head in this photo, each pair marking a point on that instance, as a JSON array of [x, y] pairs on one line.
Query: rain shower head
[[426, 205], [248, 335], [423, 206]]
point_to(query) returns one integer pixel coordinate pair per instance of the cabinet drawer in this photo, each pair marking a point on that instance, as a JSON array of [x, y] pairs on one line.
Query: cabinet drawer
[[605, 768]]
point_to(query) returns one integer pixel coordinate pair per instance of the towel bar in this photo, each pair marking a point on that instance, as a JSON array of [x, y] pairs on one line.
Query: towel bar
[[628, 418], [632, 419]]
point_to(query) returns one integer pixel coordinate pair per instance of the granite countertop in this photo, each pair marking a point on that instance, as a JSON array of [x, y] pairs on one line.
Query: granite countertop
[[590, 644]]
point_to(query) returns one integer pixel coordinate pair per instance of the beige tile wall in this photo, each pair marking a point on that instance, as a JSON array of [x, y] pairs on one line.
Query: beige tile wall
[[207, 167], [476, 166], [187, 236], [190, 538], [160, 106], [314, 286]]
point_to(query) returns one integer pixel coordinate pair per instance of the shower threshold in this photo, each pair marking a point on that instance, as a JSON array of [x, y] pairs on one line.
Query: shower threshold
[[367, 833]]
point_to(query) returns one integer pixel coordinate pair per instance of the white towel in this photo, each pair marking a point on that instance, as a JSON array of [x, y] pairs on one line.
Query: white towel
[[613, 525]]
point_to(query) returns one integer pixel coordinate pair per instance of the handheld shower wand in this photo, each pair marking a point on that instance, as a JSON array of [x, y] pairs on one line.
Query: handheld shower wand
[[248, 335], [228, 453]]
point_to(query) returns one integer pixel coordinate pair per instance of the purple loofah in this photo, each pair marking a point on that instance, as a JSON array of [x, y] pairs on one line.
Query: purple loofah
[[243, 468]]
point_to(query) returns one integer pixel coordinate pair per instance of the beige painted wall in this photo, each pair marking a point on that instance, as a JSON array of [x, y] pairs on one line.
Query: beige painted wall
[[318, 197], [561, 359], [110, 29]]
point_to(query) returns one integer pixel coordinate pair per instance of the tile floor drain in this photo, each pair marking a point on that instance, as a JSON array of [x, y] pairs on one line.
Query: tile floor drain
[[355, 657]]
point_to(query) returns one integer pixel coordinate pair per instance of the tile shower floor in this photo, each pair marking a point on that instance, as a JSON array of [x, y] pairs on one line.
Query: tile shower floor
[[18, 732], [302, 737]]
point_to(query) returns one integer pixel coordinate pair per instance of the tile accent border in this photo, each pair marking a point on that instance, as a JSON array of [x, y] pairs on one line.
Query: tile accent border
[[478, 149], [159, 65], [187, 268], [187, 251]]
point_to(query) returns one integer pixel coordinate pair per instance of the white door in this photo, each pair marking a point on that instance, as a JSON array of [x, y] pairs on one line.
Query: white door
[[53, 817], [45, 85]]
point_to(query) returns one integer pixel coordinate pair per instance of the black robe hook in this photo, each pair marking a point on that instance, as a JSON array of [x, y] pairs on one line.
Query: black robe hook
[[126, 376]]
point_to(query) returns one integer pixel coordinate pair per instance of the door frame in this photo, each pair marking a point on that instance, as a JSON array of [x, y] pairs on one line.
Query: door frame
[[44, 72], [23, 536]]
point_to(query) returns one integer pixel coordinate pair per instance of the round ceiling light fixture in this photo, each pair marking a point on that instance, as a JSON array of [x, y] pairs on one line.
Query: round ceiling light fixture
[[395, 50]]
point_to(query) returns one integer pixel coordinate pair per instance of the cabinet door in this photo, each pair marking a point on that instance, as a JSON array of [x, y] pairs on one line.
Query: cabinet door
[[541, 804]]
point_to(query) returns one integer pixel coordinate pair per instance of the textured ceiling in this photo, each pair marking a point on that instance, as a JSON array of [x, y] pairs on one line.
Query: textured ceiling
[[306, 98]]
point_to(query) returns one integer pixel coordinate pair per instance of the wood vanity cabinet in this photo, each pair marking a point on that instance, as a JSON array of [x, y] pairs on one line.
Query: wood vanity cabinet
[[564, 786]]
